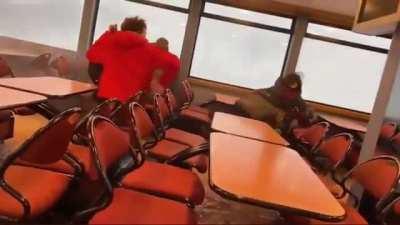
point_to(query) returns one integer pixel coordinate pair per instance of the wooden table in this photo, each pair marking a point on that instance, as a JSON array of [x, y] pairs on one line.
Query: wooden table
[[346, 123], [246, 127], [52, 87], [11, 98], [270, 176]]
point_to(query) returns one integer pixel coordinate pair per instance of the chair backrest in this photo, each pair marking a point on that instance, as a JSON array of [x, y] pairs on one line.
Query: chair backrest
[[135, 98], [50, 143], [142, 123], [388, 130], [162, 109], [314, 134], [42, 60], [187, 89], [108, 145], [62, 66], [172, 103], [107, 109], [379, 176], [335, 148], [5, 69], [123, 116]]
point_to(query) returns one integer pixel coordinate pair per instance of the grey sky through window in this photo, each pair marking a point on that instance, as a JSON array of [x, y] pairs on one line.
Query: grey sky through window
[[160, 22], [225, 52], [51, 22]]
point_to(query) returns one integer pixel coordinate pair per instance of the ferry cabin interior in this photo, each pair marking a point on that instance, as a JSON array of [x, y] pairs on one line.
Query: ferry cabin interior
[[223, 144]]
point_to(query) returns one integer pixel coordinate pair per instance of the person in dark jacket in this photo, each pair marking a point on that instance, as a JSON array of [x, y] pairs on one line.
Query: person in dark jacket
[[286, 95]]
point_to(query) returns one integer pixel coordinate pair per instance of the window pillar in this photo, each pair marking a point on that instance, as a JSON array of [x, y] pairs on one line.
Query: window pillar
[[189, 41], [391, 71], [89, 15], [296, 40]]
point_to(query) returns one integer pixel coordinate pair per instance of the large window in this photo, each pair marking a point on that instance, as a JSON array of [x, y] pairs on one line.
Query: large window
[[342, 74], [49, 22], [242, 53], [160, 22]]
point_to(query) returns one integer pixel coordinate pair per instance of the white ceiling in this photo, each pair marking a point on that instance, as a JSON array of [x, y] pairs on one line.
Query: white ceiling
[[343, 7]]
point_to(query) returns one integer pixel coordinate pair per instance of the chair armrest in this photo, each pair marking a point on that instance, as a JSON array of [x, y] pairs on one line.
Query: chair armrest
[[18, 196], [186, 154]]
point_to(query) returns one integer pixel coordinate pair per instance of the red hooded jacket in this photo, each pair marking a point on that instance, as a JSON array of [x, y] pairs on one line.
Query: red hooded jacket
[[128, 62], [169, 63]]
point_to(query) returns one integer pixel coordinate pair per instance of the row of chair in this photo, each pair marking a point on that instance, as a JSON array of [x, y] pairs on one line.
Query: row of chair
[[150, 188], [315, 145], [378, 176]]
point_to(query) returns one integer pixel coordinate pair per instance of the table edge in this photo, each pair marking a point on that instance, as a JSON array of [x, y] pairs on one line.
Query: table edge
[[48, 95], [228, 195], [18, 105]]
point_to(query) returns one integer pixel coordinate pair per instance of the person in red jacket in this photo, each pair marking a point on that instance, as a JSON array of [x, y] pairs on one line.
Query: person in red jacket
[[129, 62], [168, 67]]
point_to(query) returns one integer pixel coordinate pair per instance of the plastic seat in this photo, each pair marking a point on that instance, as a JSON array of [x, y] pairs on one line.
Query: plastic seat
[[388, 130], [165, 116], [120, 205], [193, 110], [28, 192], [151, 177], [55, 135], [184, 137], [41, 188], [378, 176], [333, 151], [42, 60], [164, 150], [5, 69], [6, 125], [130, 207], [160, 179], [62, 66], [310, 137], [108, 108]]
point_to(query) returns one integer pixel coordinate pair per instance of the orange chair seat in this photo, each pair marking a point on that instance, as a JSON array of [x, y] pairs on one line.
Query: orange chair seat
[[166, 180], [41, 188], [79, 152], [166, 149], [131, 207], [185, 137], [191, 114], [60, 166], [352, 217], [199, 109]]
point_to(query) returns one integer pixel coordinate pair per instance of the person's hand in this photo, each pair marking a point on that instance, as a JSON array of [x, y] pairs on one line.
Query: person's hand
[[113, 28]]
